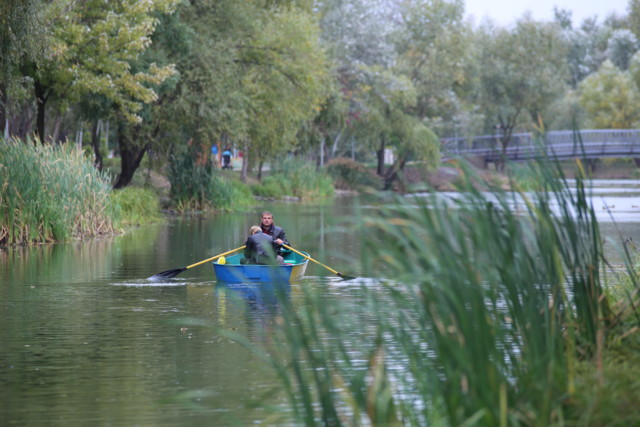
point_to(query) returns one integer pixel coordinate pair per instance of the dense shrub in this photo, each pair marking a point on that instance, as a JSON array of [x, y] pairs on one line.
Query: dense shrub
[[350, 175], [199, 187], [135, 206], [50, 193], [297, 178]]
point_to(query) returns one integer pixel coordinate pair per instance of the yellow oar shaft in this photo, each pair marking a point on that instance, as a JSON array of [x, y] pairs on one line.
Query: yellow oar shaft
[[311, 259], [214, 257]]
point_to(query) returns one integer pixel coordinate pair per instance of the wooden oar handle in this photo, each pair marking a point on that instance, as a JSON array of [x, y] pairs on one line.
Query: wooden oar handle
[[214, 257], [311, 259]]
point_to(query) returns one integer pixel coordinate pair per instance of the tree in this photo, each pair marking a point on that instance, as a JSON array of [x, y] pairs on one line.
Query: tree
[[413, 141], [359, 39], [93, 45], [432, 46], [622, 45], [611, 98], [285, 82], [522, 73], [633, 9], [20, 35]]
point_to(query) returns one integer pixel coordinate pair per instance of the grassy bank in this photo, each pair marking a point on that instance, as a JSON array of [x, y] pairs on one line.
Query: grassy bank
[[499, 313]]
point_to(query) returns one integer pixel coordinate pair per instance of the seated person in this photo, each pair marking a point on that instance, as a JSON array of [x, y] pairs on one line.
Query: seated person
[[259, 249]]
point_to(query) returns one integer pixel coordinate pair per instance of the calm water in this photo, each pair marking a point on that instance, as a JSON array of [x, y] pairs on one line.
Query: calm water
[[86, 339]]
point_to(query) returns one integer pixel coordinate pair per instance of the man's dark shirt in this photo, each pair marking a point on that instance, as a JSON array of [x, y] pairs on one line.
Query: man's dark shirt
[[259, 249]]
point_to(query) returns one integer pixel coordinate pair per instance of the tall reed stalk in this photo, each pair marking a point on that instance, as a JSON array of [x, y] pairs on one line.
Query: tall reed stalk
[[496, 297], [50, 193]]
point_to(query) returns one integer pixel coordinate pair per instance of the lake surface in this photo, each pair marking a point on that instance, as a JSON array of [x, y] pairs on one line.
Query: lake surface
[[86, 339]]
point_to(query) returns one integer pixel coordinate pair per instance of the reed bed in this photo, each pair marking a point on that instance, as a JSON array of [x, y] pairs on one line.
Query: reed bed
[[497, 305], [297, 178], [134, 206], [197, 187], [50, 193]]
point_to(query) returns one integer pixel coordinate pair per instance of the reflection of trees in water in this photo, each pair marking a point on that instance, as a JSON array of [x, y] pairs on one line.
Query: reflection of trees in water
[[260, 303], [35, 264]]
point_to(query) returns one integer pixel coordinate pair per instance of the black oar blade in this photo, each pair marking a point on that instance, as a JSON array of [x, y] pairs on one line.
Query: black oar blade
[[167, 274], [346, 276]]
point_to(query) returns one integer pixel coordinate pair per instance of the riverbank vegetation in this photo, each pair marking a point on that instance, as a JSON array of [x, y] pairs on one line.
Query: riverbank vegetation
[[54, 193], [51, 193], [373, 81], [499, 310]]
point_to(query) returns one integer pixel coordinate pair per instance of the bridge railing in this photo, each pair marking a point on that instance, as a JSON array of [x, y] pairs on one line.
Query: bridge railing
[[561, 144]]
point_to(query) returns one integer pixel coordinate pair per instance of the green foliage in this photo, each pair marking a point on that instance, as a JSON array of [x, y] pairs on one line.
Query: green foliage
[[93, 47], [610, 98], [522, 72], [21, 39], [197, 186], [492, 315], [296, 178], [435, 56], [350, 175], [285, 82], [50, 194], [135, 206]]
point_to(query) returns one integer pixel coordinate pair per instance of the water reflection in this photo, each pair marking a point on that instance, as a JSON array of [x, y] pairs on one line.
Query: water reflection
[[258, 303]]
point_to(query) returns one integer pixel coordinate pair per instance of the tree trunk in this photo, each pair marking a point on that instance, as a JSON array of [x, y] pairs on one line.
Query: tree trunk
[[392, 173], [41, 102], [4, 100], [55, 135], [130, 158], [245, 162], [335, 145], [260, 165], [95, 143], [636, 160], [380, 153]]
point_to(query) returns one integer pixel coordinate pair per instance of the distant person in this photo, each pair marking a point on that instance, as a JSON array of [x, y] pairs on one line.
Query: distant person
[[259, 249], [214, 155], [276, 233], [226, 158]]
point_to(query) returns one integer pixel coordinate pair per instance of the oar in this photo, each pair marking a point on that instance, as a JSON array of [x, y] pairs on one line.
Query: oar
[[173, 273], [343, 276]]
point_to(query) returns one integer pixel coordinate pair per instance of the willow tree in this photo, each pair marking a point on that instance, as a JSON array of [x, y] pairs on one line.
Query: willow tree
[[412, 141], [21, 40], [522, 71], [284, 80], [433, 45], [359, 37]]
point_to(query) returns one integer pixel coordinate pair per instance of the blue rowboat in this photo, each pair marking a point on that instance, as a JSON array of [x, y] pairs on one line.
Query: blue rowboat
[[232, 271]]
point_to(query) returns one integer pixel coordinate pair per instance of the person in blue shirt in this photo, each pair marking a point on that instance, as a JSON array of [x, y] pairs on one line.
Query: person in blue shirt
[[214, 155]]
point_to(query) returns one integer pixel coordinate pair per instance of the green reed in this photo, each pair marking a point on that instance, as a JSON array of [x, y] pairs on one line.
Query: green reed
[[199, 187], [497, 298], [298, 178], [135, 206], [50, 193]]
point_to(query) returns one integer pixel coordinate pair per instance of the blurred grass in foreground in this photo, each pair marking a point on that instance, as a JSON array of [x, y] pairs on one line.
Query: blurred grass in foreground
[[496, 315]]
